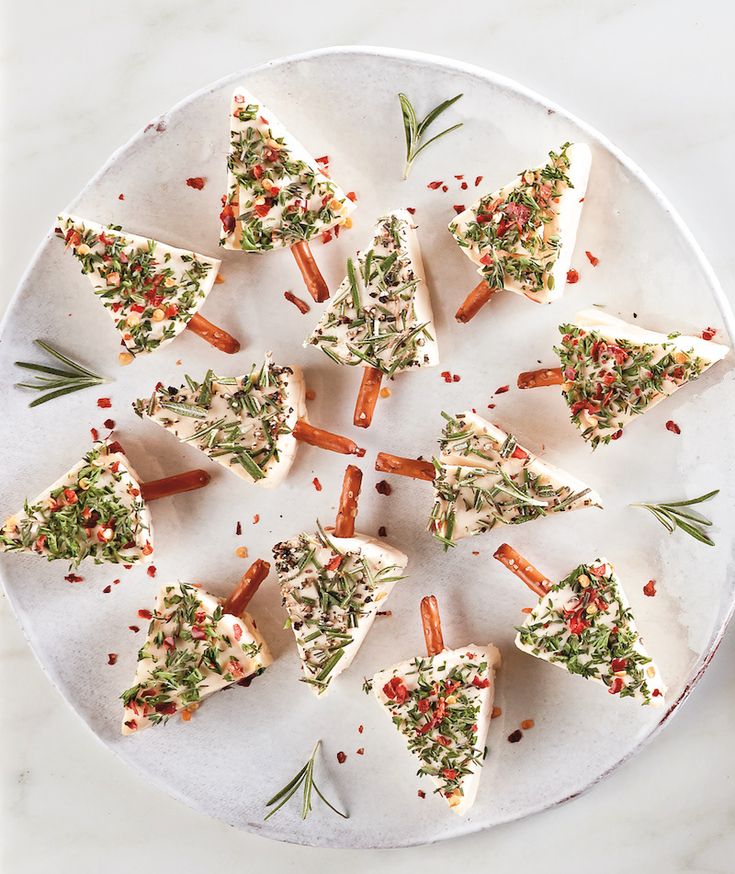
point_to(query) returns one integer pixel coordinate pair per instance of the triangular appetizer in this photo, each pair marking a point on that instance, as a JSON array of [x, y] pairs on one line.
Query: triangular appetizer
[[613, 371], [522, 235], [93, 511], [193, 649], [245, 423], [277, 195], [150, 289], [332, 588], [484, 476], [381, 314], [443, 705], [584, 624]]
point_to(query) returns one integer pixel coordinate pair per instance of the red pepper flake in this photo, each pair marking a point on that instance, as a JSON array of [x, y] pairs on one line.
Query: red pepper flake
[[615, 686], [301, 305], [73, 578], [618, 665], [104, 403], [256, 518], [145, 614], [384, 613], [515, 736], [341, 757], [395, 690], [238, 529], [95, 434], [617, 435], [458, 208], [461, 176], [360, 729], [151, 570], [497, 711], [421, 793], [134, 628], [116, 582], [572, 276], [478, 180], [708, 333], [109, 424], [650, 588], [434, 185], [111, 658], [673, 427], [107, 590], [326, 237], [527, 723], [475, 552], [411, 209], [382, 532], [445, 188], [527, 610], [491, 406], [449, 773], [121, 196], [360, 751], [323, 159], [196, 182], [352, 196], [592, 259], [310, 394], [479, 683], [450, 377], [317, 485], [502, 390], [383, 487]]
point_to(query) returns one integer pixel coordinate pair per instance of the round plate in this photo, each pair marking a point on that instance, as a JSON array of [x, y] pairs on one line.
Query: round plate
[[245, 743]]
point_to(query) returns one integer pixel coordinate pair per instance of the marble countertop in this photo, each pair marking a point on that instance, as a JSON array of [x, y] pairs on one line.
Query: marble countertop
[[79, 79]]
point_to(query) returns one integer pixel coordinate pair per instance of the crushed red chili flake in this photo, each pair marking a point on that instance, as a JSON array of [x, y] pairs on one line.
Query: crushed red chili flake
[[301, 305], [310, 394], [322, 159], [502, 389], [572, 276], [673, 427], [116, 582], [592, 259], [383, 487], [384, 613], [121, 196], [317, 484], [411, 209], [491, 406], [151, 570], [197, 182], [382, 532], [435, 185], [73, 578], [256, 518], [421, 793], [445, 188], [326, 237], [461, 176], [478, 180], [145, 614], [238, 529], [360, 729], [341, 757], [496, 712], [515, 736], [352, 196], [95, 434], [708, 333], [104, 403], [527, 723], [475, 552], [650, 588], [111, 658], [109, 424], [458, 208], [360, 751], [107, 590]]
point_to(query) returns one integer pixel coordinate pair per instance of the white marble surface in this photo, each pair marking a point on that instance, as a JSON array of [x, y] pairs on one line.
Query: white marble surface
[[78, 80]]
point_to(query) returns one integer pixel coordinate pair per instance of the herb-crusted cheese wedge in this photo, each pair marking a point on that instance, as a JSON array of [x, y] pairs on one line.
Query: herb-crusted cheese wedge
[[277, 195], [585, 625], [332, 588], [150, 289], [94, 511], [484, 476], [522, 236], [193, 649], [244, 423], [443, 706], [381, 314], [615, 371]]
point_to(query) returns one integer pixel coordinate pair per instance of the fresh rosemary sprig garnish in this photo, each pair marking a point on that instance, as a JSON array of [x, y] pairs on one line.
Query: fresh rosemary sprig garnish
[[304, 777], [415, 129], [59, 382], [671, 515]]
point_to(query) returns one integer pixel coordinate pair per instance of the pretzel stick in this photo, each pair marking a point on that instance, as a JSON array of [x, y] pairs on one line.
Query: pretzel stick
[[313, 278], [523, 569], [174, 485], [431, 622], [239, 598], [367, 397], [326, 440], [347, 512], [411, 467], [213, 335], [475, 301], [541, 377]]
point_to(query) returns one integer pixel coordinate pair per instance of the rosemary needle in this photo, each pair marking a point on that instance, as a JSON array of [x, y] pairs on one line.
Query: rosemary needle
[[304, 777], [415, 129], [58, 382], [672, 515]]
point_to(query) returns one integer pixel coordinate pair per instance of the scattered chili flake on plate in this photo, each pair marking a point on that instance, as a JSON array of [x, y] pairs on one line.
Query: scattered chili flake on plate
[[151, 570], [382, 532], [121, 196], [219, 279], [385, 392], [145, 614], [341, 757], [310, 394], [592, 259], [478, 180], [411, 209], [383, 487], [111, 658], [107, 590], [104, 403], [73, 578], [238, 529], [241, 552], [673, 427], [360, 751], [708, 333], [515, 736], [197, 182], [360, 729], [109, 424], [301, 305], [435, 185], [95, 434], [650, 588], [352, 196], [497, 711], [317, 484], [572, 276], [445, 188], [421, 793], [458, 208], [134, 628], [502, 389], [527, 723], [256, 518]]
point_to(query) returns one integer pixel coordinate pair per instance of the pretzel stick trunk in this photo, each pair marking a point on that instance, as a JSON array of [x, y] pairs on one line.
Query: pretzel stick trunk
[[367, 397], [313, 278], [431, 622], [307, 433], [347, 512], [523, 569], [174, 485], [475, 301], [410, 467], [239, 598], [213, 335], [541, 377]]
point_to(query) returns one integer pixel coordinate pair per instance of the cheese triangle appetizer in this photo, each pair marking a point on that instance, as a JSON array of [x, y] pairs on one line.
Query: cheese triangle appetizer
[[584, 624], [613, 371], [244, 423], [381, 314], [193, 649], [94, 511], [277, 194], [484, 476], [443, 705], [522, 235], [151, 290], [332, 588]]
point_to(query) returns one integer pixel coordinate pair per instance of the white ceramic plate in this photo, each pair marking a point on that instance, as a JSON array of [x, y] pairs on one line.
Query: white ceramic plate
[[244, 744]]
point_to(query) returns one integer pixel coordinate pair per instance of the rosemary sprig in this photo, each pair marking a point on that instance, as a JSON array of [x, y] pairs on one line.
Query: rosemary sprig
[[415, 129], [304, 777], [671, 515], [59, 382]]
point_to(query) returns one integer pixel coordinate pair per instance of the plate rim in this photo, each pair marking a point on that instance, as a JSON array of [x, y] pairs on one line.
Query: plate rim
[[721, 300]]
